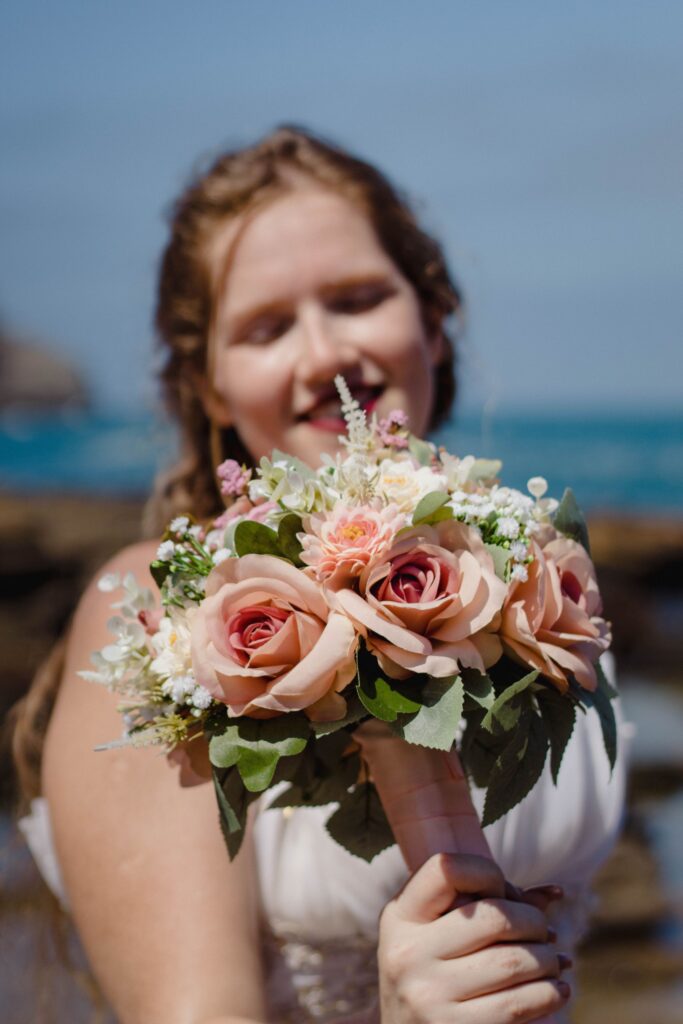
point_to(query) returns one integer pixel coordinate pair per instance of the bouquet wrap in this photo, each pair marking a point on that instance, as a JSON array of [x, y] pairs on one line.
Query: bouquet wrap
[[425, 796]]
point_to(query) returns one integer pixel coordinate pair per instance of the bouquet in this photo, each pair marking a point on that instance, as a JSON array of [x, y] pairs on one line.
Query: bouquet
[[371, 634]]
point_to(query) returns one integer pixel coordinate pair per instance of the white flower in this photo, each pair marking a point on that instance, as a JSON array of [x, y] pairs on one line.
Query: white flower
[[220, 556], [201, 698], [402, 484], [519, 572], [507, 527], [171, 645], [130, 637], [110, 581], [165, 551], [135, 598], [537, 486], [519, 550], [179, 525]]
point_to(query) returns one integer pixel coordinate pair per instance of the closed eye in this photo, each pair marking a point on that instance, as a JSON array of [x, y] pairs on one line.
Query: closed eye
[[358, 298], [264, 329]]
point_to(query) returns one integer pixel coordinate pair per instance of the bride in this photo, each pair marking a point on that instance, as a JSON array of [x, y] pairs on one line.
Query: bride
[[290, 262]]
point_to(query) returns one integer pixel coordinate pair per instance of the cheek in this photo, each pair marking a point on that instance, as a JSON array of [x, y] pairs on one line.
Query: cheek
[[239, 378]]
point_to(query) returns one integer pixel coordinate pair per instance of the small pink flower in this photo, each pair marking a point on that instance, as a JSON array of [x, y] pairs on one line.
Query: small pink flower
[[392, 429], [245, 508], [233, 477], [340, 544], [552, 620]]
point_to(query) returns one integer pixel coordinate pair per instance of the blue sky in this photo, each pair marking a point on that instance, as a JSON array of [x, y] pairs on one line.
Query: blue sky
[[542, 143]]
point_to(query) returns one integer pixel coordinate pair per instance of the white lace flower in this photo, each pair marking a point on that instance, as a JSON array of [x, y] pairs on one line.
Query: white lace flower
[[165, 551]]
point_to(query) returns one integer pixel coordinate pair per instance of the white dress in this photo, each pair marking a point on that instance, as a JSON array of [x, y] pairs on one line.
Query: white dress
[[321, 905]]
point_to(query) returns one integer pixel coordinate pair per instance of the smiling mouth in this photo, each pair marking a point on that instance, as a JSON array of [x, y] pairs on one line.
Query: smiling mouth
[[327, 414]]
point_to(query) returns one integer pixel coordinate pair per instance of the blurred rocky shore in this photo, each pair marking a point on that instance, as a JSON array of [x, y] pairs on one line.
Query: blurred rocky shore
[[51, 545]]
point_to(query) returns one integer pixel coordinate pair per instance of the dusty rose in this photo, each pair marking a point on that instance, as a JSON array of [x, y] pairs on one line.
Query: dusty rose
[[430, 604], [264, 641], [338, 545], [551, 621]]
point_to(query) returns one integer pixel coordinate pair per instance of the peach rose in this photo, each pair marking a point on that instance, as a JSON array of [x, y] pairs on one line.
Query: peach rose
[[265, 642], [429, 605], [551, 621], [340, 544]]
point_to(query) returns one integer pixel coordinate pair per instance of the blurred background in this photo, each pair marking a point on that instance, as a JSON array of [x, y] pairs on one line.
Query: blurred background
[[543, 146]]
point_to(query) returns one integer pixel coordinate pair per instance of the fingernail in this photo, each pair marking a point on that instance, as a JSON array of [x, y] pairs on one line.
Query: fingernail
[[564, 961], [552, 892], [552, 935], [564, 989]]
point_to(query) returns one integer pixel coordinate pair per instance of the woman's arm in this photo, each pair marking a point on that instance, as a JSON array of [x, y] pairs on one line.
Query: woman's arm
[[168, 922]]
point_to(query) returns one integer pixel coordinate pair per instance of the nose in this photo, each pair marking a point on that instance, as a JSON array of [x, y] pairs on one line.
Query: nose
[[323, 352]]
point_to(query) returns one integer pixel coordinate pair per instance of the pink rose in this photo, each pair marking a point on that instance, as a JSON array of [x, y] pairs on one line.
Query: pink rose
[[265, 642], [429, 605], [551, 620], [341, 543]]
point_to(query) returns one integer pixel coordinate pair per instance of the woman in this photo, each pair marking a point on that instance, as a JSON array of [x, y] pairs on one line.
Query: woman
[[290, 262]]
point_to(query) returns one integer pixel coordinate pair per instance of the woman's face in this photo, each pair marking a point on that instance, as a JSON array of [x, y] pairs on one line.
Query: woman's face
[[310, 293]]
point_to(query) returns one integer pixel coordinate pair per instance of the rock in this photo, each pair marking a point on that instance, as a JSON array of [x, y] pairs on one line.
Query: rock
[[33, 378]]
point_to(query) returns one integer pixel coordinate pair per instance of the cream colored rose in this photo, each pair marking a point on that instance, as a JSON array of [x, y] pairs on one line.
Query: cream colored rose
[[430, 604], [551, 621], [401, 483], [265, 642]]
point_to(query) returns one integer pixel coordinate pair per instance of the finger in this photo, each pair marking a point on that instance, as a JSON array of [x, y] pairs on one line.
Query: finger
[[533, 1001], [541, 896], [431, 890], [500, 967], [486, 922]]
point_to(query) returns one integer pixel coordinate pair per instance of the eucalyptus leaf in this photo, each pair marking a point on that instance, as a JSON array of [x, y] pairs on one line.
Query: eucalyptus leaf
[[436, 723], [288, 528], [428, 505], [506, 709], [569, 519], [386, 699], [360, 824], [559, 716], [517, 768]]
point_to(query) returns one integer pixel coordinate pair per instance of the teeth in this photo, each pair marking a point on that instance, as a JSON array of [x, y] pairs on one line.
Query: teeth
[[332, 407]]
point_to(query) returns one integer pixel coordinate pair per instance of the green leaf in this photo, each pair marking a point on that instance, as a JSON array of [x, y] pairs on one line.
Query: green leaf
[[256, 746], [506, 709], [233, 804], [324, 789], [360, 824], [256, 539], [420, 450], [386, 699], [287, 530], [517, 768], [569, 519], [478, 688], [428, 505], [559, 716], [436, 723], [501, 558], [601, 699], [159, 571]]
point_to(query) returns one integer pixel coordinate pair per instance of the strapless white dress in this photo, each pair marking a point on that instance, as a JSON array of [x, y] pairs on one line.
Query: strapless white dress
[[321, 905]]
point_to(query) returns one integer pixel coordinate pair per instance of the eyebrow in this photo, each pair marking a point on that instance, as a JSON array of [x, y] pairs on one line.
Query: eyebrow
[[241, 318]]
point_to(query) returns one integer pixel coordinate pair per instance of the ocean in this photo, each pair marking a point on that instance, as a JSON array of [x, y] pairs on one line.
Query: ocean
[[621, 462]]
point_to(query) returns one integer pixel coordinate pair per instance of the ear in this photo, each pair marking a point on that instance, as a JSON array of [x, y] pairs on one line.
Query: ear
[[214, 405]]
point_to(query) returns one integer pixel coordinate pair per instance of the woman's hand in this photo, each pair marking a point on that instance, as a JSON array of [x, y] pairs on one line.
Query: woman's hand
[[489, 960]]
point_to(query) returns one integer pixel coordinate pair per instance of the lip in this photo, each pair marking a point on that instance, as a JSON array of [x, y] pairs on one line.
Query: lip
[[371, 395]]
